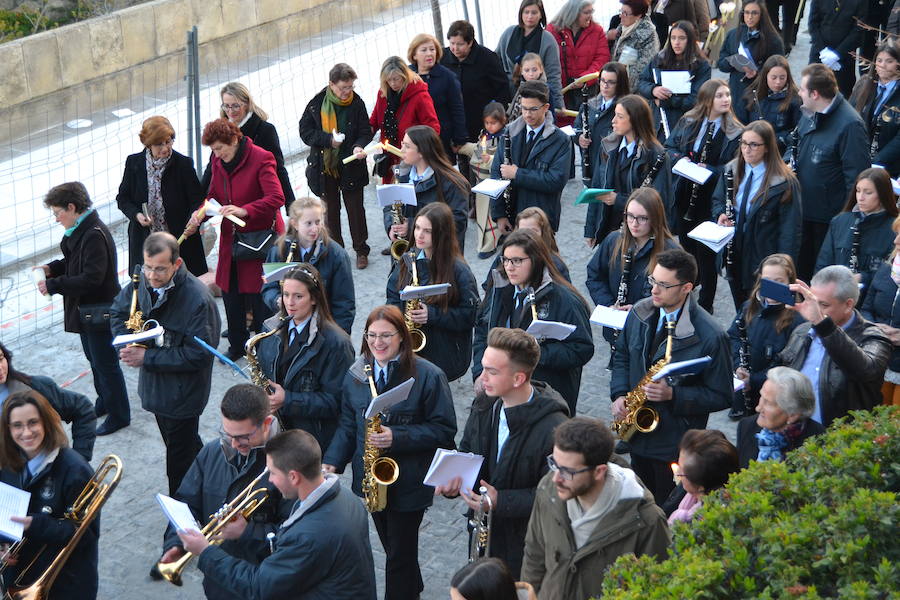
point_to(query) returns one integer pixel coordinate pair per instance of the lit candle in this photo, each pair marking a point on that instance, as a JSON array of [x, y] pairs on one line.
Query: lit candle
[[676, 473]]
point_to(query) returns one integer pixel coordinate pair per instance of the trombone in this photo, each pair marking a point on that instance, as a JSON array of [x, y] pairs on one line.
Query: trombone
[[244, 504]]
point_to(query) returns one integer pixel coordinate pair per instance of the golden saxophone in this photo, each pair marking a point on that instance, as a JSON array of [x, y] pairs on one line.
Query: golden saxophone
[[641, 417], [417, 336], [481, 521], [135, 321], [256, 373], [378, 471]]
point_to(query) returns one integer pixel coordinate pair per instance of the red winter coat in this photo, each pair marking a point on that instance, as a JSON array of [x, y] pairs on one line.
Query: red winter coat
[[416, 108], [587, 55], [254, 186]]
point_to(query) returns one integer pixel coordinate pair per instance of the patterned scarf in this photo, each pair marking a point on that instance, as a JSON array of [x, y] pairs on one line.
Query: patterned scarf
[[895, 270], [773, 444], [155, 168], [330, 122]]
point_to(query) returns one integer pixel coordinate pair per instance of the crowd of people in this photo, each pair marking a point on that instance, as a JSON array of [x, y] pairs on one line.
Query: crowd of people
[[800, 165]]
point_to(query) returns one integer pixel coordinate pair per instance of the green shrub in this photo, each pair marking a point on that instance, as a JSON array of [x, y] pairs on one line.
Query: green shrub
[[822, 524]]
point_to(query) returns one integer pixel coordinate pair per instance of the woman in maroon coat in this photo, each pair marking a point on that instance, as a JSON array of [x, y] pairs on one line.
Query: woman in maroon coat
[[403, 101], [245, 182]]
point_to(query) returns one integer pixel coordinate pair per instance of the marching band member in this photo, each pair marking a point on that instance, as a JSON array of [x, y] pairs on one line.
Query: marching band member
[[308, 240], [410, 433], [613, 84], [36, 458], [709, 134], [306, 359], [526, 263], [772, 97], [876, 97], [683, 402], [629, 156], [446, 319], [765, 204], [756, 39]]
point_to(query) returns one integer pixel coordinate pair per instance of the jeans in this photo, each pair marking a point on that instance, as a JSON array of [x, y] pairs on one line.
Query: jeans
[[112, 396]]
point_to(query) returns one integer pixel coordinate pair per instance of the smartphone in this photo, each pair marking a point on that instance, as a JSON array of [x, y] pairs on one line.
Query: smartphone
[[777, 291]]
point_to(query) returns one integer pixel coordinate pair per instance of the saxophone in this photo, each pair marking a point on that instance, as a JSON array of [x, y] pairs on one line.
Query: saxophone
[[480, 542], [586, 167], [695, 187], [256, 373], [378, 471], [730, 215], [401, 244], [135, 321], [641, 417], [415, 333]]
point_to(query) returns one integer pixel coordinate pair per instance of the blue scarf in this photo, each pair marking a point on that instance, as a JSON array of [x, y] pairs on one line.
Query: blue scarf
[[771, 445]]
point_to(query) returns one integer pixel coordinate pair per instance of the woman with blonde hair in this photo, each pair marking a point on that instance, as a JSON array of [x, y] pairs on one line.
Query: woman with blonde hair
[[882, 307]]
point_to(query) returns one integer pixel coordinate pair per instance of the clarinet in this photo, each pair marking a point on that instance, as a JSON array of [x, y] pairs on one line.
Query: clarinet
[[695, 187], [654, 169], [507, 193], [876, 131], [729, 214], [587, 169], [622, 294], [795, 143], [743, 352], [854, 248]]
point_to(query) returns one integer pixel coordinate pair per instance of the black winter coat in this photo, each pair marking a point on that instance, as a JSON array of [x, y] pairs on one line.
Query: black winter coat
[[265, 136], [87, 273], [522, 463], [885, 124], [482, 80], [769, 109], [737, 81], [876, 241], [448, 333], [773, 225], [176, 377], [832, 23], [54, 489], [612, 174], [677, 104], [333, 264], [557, 262], [694, 397], [832, 151], [72, 407], [881, 306], [358, 133], [421, 424], [852, 370], [434, 189], [444, 88], [764, 344], [561, 360], [599, 125], [312, 379], [747, 446], [212, 481], [181, 196]]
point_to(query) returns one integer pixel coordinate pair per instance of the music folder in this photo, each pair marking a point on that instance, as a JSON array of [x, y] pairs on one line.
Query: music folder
[[178, 513], [275, 271], [607, 316], [683, 367], [492, 187], [712, 235], [13, 503], [396, 193], [552, 330], [448, 464], [140, 336], [413, 292], [692, 171], [391, 397]]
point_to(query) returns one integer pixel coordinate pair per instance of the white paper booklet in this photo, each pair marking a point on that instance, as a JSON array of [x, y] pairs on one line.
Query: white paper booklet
[[712, 235], [606, 316], [411, 292], [553, 330], [141, 336], [568, 130], [677, 82], [683, 367], [492, 187], [393, 396], [737, 384], [393, 193], [448, 464], [692, 171], [276, 271], [178, 513], [13, 503]]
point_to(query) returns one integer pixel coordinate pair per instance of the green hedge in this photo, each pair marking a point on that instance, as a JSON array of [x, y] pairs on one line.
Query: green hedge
[[822, 524]]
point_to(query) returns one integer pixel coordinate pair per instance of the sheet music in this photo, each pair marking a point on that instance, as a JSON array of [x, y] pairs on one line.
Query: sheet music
[[607, 316], [393, 193], [412, 292], [393, 396], [13, 503], [712, 235], [178, 513], [684, 367], [492, 187], [553, 330], [692, 171], [677, 82], [448, 464]]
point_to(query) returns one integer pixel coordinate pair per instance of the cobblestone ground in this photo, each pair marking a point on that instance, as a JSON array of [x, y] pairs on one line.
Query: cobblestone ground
[[133, 524]]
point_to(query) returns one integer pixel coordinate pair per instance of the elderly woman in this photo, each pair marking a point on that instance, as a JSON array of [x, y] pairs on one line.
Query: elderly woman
[[159, 190], [635, 41], [239, 108], [786, 401], [705, 461], [244, 180]]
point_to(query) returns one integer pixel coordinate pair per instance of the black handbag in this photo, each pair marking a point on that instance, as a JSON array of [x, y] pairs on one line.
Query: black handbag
[[252, 245], [94, 317]]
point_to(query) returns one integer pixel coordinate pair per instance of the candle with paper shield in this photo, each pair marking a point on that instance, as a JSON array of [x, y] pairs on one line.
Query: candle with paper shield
[[374, 147], [201, 213], [38, 275]]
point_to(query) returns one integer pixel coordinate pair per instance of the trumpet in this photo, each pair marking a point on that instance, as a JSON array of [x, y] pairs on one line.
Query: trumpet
[[481, 521], [417, 336], [378, 471], [244, 504]]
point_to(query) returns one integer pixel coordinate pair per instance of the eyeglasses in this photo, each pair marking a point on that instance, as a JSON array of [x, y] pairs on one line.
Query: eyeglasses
[[752, 13], [666, 286], [625, 14], [168, 142], [564, 472], [227, 107], [344, 88], [531, 109], [752, 145], [608, 81], [244, 438], [58, 211], [515, 261], [384, 337], [155, 270], [30, 424], [639, 219]]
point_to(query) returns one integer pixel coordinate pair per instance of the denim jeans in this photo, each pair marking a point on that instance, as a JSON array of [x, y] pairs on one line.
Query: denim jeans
[[109, 382]]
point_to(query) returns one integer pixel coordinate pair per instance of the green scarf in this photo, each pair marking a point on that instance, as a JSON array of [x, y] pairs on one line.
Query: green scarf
[[78, 221], [333, 120]]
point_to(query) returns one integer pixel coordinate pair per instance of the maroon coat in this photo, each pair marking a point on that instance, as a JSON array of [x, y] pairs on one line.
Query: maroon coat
[[254, 186], [416, 108], [577, 58]]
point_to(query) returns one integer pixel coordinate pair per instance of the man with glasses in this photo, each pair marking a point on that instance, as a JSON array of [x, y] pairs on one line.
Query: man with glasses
[[175, 372], [587, 512], [511, 425], [222, 469], [683, 402], [540, 158]]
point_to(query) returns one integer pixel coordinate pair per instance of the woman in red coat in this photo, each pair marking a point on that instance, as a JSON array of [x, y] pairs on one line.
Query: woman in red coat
[[583, 48], [403, 101], [245, 182]]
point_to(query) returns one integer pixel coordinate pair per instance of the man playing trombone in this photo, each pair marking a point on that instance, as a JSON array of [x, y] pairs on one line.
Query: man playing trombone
[[222, 471]]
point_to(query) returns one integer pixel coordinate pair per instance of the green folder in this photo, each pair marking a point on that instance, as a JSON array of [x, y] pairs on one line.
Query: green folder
[[277, 270], [590, 195]]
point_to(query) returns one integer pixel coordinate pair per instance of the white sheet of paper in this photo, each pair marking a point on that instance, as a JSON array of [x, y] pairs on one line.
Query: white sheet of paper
[[392, 193], [553, 330], [178, 513], [213, 207], [692, 171], [393, 396], [448, 464], [607, 316], [737, 384], [682, 365], [13, 503], [678, 82], [742, 50], [712, 235], [276, 271], [141, 336], [411, 292], [568, 130], [491, 187]]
